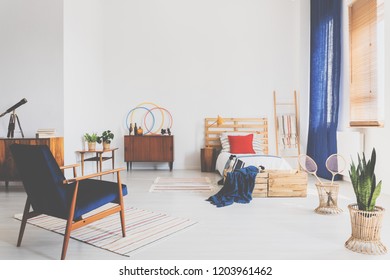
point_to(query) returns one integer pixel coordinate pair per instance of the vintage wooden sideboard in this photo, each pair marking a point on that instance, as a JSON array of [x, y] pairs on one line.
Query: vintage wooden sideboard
[[149, 148], [8, 170]]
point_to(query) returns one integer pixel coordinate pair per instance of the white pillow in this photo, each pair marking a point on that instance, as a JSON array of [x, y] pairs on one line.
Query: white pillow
[[256, 144]]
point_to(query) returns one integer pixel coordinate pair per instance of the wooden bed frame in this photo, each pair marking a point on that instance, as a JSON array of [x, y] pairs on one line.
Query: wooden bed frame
[[250, 125], [270, 183]]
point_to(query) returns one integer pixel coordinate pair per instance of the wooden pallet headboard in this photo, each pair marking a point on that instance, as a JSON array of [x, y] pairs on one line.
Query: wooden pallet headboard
[[250, 125]]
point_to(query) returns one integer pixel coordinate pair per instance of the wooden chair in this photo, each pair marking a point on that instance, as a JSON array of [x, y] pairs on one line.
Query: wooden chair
[[50, 193]]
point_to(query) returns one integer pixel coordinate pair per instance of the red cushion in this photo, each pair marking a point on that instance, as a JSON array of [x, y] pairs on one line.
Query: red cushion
[[241, 144]]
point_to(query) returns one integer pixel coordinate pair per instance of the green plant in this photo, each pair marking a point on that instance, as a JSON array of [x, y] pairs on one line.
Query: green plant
[[106, 137], [90, 138], [364, 182]]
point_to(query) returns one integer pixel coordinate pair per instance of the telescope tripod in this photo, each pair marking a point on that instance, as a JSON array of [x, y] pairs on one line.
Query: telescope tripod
[[11, 126]]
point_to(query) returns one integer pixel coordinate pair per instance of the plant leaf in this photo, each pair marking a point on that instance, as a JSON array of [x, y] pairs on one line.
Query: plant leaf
[[364, 182]]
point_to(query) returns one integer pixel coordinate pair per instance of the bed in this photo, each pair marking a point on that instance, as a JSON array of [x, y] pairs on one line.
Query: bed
[[233, 136], [269, 162]]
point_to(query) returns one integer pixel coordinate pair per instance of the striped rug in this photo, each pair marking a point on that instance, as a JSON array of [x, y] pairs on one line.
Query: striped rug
[[142, 229], [200, 184]]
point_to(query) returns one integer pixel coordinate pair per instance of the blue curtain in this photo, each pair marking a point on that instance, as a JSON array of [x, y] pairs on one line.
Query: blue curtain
[[325, 56]]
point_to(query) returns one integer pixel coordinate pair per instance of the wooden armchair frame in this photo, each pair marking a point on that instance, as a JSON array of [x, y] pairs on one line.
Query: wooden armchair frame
[[71, 224]]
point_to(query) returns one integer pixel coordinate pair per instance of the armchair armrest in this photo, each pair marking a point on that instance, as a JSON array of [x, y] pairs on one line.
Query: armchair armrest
[[71, 166], [76, 179]]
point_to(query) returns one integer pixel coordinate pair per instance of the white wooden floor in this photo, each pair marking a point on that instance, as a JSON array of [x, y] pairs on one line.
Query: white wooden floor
[[265, 229]]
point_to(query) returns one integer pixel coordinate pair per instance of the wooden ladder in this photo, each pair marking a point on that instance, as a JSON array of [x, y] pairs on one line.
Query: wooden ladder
[[293, 106]]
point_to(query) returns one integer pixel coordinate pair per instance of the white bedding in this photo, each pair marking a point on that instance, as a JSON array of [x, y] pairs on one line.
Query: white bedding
[[269, 162]]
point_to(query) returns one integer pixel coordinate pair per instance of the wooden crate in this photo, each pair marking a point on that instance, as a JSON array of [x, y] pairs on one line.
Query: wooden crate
[[281, 183], [287, 184], [261, 185]]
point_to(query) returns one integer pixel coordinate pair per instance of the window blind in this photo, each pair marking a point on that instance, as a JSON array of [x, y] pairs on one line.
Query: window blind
[[366, 62]]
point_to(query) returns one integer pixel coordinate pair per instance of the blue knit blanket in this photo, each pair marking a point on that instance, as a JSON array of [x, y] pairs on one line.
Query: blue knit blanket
[[238, 187]]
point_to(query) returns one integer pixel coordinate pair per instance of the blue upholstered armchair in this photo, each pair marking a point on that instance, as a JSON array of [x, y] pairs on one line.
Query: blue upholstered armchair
[[50, 193]]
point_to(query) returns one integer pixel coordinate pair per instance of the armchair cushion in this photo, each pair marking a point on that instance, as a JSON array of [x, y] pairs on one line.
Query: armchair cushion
[[94, 193]]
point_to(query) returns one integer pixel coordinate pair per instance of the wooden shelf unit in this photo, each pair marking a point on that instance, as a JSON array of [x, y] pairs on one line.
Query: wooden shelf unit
[[8, 170], [149, 148]]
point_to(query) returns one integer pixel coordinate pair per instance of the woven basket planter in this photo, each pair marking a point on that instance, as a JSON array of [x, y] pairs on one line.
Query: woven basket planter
[[366, 229], [328, 195], [91, 146], [106, 146]]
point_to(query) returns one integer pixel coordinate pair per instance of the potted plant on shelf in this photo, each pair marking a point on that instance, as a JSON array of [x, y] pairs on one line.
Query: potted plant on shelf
[[91, 139], [106, 138], [366, 217]]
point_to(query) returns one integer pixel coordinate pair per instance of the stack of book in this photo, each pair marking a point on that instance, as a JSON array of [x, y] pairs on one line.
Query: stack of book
[[45, 133]]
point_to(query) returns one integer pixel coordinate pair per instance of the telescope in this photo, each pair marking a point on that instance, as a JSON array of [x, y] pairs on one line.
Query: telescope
[[17, 105], [13, 118]]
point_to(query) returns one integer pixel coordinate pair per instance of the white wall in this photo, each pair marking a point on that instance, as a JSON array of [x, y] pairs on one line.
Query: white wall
[[86, 107], [374, 137], [82, 65], [31, 64], [195, 58]]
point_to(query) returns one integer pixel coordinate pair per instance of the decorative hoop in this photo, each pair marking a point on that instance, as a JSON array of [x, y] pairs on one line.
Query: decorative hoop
[[150, 128], [162, 121], [143, 104], [131, 120]]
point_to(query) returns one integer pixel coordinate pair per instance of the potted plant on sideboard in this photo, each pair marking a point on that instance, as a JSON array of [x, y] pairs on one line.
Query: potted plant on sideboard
[[91, 139], [366, 216], [106, 138]]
